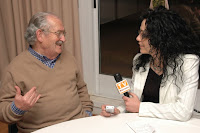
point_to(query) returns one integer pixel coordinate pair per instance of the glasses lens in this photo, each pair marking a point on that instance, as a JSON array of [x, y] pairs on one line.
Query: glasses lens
[[61, 33]]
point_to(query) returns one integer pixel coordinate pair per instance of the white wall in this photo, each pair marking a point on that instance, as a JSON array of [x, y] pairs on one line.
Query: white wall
[[87, 43], [90, 57]]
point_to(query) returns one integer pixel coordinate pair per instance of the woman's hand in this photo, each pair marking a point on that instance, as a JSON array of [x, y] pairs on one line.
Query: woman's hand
[[106, 114], [132, 104]]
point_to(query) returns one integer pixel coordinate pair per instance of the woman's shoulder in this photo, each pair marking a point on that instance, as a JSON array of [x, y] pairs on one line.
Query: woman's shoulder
[[137, 56], [190, 56], [190, 60]]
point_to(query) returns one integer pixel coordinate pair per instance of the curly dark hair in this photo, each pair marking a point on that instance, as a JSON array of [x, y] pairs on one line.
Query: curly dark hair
[[169, 34]]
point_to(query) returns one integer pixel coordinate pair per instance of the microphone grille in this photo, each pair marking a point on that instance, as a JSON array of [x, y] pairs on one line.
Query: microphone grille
[[118, 77]]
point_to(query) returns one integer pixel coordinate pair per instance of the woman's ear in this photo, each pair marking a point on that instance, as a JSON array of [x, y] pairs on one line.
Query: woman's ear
[[39, 35]]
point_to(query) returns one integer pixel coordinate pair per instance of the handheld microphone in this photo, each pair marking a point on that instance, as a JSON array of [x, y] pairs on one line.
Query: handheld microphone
[[122, 85]]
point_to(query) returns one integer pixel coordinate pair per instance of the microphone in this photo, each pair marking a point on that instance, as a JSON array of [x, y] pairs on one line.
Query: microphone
[[122, 85]]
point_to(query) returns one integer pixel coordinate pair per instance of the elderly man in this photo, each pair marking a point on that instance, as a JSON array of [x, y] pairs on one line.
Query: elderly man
[[43, 85]]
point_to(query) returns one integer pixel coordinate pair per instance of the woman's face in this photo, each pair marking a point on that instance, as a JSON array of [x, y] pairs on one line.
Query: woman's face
[[142, 40]]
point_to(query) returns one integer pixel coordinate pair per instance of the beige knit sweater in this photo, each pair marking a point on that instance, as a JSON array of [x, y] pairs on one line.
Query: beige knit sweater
[[64, 95]]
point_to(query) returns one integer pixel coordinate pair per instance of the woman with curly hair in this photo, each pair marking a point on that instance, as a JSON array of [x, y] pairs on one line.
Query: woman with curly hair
[[165, 72]]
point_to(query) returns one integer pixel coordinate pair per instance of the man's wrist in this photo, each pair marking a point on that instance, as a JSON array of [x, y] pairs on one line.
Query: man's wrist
[[88, 112], [17, 110]]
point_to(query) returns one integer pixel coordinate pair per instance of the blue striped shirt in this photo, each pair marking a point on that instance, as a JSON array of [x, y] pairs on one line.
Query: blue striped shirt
[[16, 110], [48, 62]]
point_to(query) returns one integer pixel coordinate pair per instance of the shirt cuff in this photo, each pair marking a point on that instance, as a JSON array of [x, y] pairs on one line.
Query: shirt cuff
[[122, 109], [16, 110], [88, 112]]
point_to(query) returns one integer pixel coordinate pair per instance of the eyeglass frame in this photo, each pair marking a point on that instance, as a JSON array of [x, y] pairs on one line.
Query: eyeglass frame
[[58, 33]]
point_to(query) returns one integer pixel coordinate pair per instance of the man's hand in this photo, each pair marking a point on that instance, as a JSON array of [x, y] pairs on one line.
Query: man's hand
[[132, 104], [106, 114], [27, 101]]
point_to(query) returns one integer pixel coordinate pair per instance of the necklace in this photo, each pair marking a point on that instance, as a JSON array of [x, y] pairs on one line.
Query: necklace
[[156, 68]]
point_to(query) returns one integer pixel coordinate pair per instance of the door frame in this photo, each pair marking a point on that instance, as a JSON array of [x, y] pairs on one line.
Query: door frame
[[101, 87]]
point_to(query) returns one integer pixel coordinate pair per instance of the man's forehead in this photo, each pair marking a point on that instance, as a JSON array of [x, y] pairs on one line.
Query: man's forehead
[[55, 23]]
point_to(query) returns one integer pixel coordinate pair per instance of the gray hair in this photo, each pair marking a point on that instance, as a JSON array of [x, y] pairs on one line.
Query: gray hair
[[38, 21]]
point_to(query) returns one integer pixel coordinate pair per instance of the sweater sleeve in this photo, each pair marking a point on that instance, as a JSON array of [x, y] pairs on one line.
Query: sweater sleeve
[[7, 94], [83, 94], [182, 108], [83, 91]]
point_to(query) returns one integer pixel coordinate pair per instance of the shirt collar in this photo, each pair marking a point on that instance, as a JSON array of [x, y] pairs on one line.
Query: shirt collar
[[42, 58]]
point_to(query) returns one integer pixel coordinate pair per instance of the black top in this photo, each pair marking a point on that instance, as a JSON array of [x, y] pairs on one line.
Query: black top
[[152, 87]]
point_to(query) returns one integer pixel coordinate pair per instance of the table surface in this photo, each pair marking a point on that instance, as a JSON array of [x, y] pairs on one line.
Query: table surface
[[118, 124]]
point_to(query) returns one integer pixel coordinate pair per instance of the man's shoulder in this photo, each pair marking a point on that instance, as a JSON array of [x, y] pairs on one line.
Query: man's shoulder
[[19, 59], [190, 56], [137, 56]]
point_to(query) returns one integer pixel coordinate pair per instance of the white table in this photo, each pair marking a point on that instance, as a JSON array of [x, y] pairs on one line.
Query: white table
[[118, 124]]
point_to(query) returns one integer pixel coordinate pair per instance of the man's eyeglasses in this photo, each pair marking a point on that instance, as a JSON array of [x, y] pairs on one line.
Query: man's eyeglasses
[[143, 33], [59, 33]]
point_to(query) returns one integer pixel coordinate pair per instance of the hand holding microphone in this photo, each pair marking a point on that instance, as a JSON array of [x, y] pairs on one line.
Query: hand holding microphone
[[132, 103], [123, 88]]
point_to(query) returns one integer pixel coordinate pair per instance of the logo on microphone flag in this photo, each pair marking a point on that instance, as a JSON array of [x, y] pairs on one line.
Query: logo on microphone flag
[[123, 86]]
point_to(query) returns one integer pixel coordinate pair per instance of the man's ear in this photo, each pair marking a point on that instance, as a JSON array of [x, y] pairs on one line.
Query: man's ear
[[39, 35]]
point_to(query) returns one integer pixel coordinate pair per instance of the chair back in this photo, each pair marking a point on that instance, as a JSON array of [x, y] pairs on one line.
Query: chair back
[[12, 128]]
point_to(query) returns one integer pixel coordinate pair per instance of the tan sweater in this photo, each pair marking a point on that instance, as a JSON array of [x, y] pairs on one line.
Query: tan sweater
[[64, 95]]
